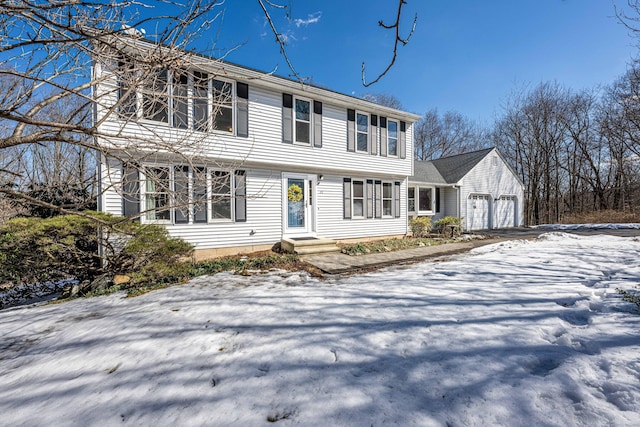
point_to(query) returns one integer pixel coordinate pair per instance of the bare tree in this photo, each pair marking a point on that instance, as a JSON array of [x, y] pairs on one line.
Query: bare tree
[[384, 99], [50, 113], [446, 135]]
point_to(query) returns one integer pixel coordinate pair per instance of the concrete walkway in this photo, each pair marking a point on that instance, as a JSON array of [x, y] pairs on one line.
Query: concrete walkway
[[336, 263]]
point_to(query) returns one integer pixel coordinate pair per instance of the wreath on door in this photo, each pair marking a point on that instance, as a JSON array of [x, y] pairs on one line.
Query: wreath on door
[[294, 193]]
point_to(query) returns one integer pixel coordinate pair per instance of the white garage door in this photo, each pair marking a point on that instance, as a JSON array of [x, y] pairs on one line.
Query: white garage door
[[505, 209], [478, 212]]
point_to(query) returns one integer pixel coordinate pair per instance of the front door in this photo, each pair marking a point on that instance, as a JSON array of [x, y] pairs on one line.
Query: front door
[[298, 204]]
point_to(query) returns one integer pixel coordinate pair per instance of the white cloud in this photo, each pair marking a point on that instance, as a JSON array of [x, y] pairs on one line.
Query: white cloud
[[312, 18]]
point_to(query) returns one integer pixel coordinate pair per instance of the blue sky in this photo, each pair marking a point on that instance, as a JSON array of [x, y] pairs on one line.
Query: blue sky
[[465, 55]]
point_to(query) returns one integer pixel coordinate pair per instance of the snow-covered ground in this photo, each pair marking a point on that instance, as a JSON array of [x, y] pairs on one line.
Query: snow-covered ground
[[629, 226], [520, 333]]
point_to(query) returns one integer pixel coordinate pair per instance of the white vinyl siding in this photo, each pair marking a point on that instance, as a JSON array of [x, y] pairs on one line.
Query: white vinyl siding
[[331, 223], [491, 176], [264, 146]]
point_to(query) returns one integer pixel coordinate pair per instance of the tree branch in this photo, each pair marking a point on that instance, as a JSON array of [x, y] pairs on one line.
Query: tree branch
[[398, 41]]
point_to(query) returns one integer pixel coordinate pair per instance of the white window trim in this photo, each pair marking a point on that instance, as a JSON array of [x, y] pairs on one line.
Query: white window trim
[[392, 199], [368, 133], [364, 199], [143, 194], [295, 120], [433, 200], [140, 93], [233, 106], [210, 218], [415, 205], [397, 138]]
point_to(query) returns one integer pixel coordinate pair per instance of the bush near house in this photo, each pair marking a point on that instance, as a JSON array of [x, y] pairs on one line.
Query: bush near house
[[35, 250], [420, 226], [449, 224]]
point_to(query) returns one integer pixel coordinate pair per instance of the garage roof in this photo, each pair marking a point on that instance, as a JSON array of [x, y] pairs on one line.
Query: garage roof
[[447, 170]]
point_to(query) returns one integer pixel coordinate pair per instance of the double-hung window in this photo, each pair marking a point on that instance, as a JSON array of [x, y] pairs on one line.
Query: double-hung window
[[411, 199], [200, 101], [387, 199], [392, 138], [155, 96], [358, 198], [221, 195], [303, 121], [157, 191], [126, 90], [222, 92], [362, 132], [180, 100]]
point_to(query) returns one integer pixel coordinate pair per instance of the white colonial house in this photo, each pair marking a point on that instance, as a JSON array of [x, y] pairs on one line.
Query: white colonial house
[[235, 160], [479, 186]]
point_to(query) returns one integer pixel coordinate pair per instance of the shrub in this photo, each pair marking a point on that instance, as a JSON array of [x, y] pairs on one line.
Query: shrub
[[420, 226], [442, 225], [630, 296], [34, 250]]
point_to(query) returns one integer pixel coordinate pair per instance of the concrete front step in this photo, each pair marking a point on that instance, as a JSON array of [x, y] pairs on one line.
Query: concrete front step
[[309, 245]]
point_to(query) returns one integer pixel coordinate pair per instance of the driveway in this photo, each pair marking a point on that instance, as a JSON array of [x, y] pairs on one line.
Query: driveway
[[621, 230]]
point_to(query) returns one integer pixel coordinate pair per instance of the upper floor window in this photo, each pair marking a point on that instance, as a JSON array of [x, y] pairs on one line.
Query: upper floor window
[[183, 99], [180, 100], [303, 121], [392, 138], [127, 90], [155, 98], [222, 105], [362, 132], [200, 101]]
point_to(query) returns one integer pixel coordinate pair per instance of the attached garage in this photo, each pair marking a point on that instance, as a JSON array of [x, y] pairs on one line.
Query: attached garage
[[505, 209], [480, 187], [478, 209]]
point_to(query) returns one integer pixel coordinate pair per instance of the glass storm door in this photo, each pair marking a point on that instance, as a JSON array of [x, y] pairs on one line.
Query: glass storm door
[[298, 204]]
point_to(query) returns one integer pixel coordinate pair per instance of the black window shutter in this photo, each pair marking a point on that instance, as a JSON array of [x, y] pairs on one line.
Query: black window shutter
[[370, 201], [351, 130], [241, 196], [373, 135], [396, 198], [242, 92], [130, 192], [181, 194], [287, 100], [287, 118], [378, 197], [346, 201], [383, 136], [403, 140], [437, 199], [317, 124]]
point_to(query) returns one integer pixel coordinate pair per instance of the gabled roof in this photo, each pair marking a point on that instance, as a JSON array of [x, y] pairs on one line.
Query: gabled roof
[[447, 170]]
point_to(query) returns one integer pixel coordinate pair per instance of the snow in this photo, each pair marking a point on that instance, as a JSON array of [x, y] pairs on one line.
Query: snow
[[518, 333], [567, 227]]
